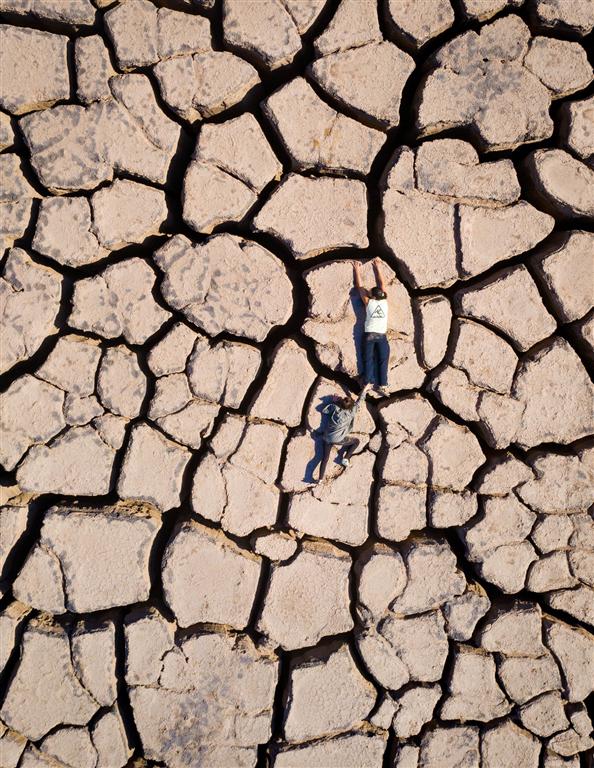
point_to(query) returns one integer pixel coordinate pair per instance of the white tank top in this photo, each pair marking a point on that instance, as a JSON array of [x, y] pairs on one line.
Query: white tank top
[[376, 316]]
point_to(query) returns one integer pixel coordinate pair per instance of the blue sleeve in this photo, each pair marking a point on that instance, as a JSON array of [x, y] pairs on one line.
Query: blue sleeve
[[358, 403]]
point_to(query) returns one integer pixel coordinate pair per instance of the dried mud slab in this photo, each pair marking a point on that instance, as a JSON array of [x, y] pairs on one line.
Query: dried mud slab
[[412, 26], [63, 570], [64, 232], [30, 301], [265, 30], [426, 464], [318, 137], [74, 15], [314, 709], [32, 412], [578, 127], [207, 579], [204, 84], [119, 302], [35, 70], [273, 401], [17, 198], [164, 460], [77, 462], [232, 164], [571, 297], [93, 69], [482, 10], [307, 598], [359, 69], [498, 301], [553, 14], [562, 182], [242, 463], [507, 69], [202, 282], [217, 686], [455, 226], [339, 511], [126, 212], [314, 215], [77, 148], [185, 186]]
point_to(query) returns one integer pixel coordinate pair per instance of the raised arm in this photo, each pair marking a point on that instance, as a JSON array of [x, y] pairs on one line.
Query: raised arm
[[360, 399], [379, 278], [357, 276]]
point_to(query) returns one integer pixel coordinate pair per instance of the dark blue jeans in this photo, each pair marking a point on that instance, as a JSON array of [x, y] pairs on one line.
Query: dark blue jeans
[[376, 354]]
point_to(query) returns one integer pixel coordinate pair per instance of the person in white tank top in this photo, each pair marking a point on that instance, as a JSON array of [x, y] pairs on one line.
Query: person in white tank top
[[376, 316], [376, 348]]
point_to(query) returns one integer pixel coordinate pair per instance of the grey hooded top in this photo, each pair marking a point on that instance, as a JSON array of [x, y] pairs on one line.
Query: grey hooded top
[[340, 421]]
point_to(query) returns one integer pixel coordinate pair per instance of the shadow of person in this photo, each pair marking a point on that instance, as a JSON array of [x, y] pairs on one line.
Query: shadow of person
[[318, 437], [358, 329], [316, 460]]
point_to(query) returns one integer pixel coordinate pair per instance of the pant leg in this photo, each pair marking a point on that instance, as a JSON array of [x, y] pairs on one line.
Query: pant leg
[[351, 444], [325, 457], [383, 349], [369, 360]]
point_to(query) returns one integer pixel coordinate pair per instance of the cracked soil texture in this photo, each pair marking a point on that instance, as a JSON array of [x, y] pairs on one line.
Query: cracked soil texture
[[185, 185]]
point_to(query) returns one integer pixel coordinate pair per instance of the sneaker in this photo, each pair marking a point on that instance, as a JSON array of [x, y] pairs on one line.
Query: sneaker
[[384, 391], [345, 462]]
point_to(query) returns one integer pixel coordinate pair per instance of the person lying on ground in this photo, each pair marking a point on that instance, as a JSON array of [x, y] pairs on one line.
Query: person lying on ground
[[376, 348], [339, 423]]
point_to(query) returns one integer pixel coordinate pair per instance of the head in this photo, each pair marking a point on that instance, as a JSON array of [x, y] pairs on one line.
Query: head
[[377, 293], [346, 403]]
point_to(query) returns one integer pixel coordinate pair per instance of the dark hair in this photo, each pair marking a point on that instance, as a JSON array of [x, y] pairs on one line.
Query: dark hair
[[377, 293], [346, 403]]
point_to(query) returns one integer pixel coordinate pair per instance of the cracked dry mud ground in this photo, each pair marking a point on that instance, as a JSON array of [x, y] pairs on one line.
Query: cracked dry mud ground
[[184, 186]]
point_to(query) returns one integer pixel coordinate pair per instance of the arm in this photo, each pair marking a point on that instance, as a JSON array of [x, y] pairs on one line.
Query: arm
[[378, 275], [359, 400], [357, 275]]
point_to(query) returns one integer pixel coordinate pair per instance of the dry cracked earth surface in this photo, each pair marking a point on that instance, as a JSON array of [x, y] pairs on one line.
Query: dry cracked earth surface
[[185, 184]]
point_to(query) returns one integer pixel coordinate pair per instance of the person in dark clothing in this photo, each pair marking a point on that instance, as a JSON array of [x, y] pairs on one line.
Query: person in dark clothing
[[340, 416], [376, 348]]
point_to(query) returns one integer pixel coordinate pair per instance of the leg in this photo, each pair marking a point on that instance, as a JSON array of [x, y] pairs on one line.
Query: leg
[[325, 457], [368, 360], [383, 348], [376, 362], [351, 444]]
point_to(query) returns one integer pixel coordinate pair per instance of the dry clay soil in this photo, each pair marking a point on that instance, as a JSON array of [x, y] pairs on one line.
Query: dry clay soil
[[185, 185]]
